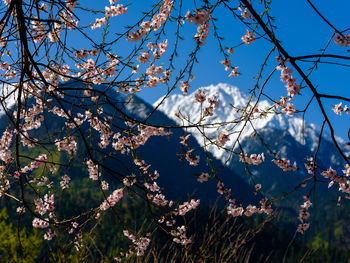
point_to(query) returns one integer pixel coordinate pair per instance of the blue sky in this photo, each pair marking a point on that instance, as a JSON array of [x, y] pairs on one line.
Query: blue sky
[[300, 30]]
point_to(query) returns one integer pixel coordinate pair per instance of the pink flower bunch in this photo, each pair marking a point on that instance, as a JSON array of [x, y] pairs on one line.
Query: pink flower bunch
[[288, 109], [303, 215], [213, 104], [245, 13], [153, 70], [103, 128], [342, 40], [140, 244], [31, 118], [344, 185], [152, 187], [184, 86], [227, 64], [157, 53], [83, 54], [252, 159], [223, 138], [200, 18], [180, 236], [310, 165], [45, 204], [234, 72], [145, 56], [160, 18], [38, 223], [39, 161], [286, 77], [222, 190], [234, 211], [94, 174], [124, 144], [5, 143], [284, 164], [184, 139], [157, 21], [129, 181], [59, 112], [4, 182], [159, 199], [202, 33], [112, 199], [249, 37], [67, 144], [200, 96], [68, 19], [50, 234], [188, 206], [5, 66], [338, 109], [65, 182], [115, 10], [70, 4], [203, 177], [347, 170], [38, 30], [99, 22], [192, 159]]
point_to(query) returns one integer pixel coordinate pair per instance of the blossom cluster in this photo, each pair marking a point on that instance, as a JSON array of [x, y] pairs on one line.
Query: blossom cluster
[[284, 164], [67, 144], [200, 18], [344, 184], [227, 64], [140, 244], [249, 37], [342, 40], [286, 77], [42, 205], [235, 211], [303, 215], [252, 159], [338, 109], [39, 161], [223, 138], [112, 199], [157, 21], [5, 143], [125, 143]]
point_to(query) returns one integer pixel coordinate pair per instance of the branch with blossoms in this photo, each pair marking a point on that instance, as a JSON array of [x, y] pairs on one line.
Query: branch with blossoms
[[70, 109]]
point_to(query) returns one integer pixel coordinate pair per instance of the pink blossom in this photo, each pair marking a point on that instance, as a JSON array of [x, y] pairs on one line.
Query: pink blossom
[[249, 37], [338, 109], [203, 177], [223, 138], [342, 40], [112, 199], [252, 159], [200, 96], [184, 86], [38, 223]]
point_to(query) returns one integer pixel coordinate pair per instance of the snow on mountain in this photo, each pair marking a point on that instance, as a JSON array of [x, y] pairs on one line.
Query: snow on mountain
[[230, 98]]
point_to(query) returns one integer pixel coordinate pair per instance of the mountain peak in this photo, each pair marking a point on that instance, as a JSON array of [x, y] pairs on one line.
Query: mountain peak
[[229, 96]]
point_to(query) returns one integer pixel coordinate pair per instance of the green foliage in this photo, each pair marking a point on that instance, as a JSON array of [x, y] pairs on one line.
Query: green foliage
[[16, 245]]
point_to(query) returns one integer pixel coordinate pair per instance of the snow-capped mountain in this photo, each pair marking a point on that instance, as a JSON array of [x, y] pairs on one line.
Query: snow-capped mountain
[[230, 98]]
